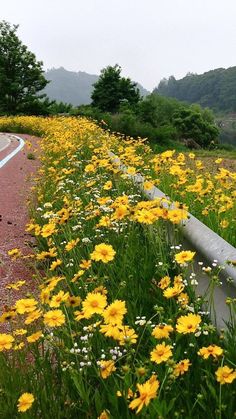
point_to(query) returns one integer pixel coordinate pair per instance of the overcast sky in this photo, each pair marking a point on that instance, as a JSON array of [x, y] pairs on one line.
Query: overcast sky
[[149, 39]]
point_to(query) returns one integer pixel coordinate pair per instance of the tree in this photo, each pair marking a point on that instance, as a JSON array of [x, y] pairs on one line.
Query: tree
[[21, 75], [195, 124], [158, 110], [111, 90]]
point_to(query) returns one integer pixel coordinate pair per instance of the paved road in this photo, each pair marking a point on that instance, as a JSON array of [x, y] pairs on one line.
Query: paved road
[[4, 141], [15, 189]]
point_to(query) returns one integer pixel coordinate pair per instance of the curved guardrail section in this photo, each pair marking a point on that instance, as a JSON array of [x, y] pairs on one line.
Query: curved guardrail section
[[204, 240], [209, 246]]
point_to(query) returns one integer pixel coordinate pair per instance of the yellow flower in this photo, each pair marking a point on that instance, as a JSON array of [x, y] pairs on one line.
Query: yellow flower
[[144, 216], [171, 292], [78, 275], [183, 299], [19, 332], [115, 312], [147, 392], [79, 315], [105, 221], [178, 280], [42, 255], [14, 253], [48, 230], [73, 301], [6, 341], [181, 367], [64, 215], [188, 324], [59, 298], [120, 212], [7, 316], [25, 401], [52, 252], [55, 264], [167, 154], [107, 185], [127, 335], [94, 303], [34, 337], [45, 296], [162, 331], [53, 281], [16, 285], [161, 353], [199, 164], [131, 171], [19, 346], [30, 227], [85, 264], [225, 375], [54, 318], [177, 215], [184, 256], [164, 282], [71, 244], [110, 331], [89, 168], [33, 316], [26, 305], [106, 368], [224, 223], [101, 289], [104, 415], [103, 252], [212, 350], [147, 185]]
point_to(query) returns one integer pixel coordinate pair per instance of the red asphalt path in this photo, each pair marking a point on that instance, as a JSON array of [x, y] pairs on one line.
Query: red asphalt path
[[16, 179]]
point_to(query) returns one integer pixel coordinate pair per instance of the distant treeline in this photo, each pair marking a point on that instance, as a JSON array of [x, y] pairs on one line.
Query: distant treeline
[[164, 121], [215, 89]]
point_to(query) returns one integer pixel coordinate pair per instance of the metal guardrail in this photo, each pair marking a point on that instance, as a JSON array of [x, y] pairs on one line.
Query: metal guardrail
[[210, 247]]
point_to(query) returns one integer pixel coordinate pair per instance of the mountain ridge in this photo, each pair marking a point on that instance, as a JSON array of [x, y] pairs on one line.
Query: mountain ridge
[[214, 88], [73, 87]]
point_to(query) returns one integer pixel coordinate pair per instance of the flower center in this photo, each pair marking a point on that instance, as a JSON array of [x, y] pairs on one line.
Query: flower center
[[113, 312], [143, 396], [104, 252]]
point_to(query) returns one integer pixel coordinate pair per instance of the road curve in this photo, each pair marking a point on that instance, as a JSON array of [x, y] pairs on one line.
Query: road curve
[[14, 145]]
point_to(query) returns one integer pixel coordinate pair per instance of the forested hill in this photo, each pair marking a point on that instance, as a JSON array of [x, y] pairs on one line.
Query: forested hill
[[73, 87], [215, 89]]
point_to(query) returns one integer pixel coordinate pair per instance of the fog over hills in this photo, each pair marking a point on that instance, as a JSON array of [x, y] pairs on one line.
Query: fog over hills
[[73, 87]]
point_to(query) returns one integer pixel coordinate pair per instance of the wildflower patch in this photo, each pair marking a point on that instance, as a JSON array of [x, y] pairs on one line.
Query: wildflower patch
[[115, 328]]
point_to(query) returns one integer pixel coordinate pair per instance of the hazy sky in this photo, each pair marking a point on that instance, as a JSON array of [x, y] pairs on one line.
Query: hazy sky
[[149, 39]]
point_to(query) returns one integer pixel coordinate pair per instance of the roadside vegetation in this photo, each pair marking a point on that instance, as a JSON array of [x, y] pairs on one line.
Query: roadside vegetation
[[115, 328], [208, 190], [117, 103]]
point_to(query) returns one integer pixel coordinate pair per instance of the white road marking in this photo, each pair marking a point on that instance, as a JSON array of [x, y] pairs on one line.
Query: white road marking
[[14, 152]]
